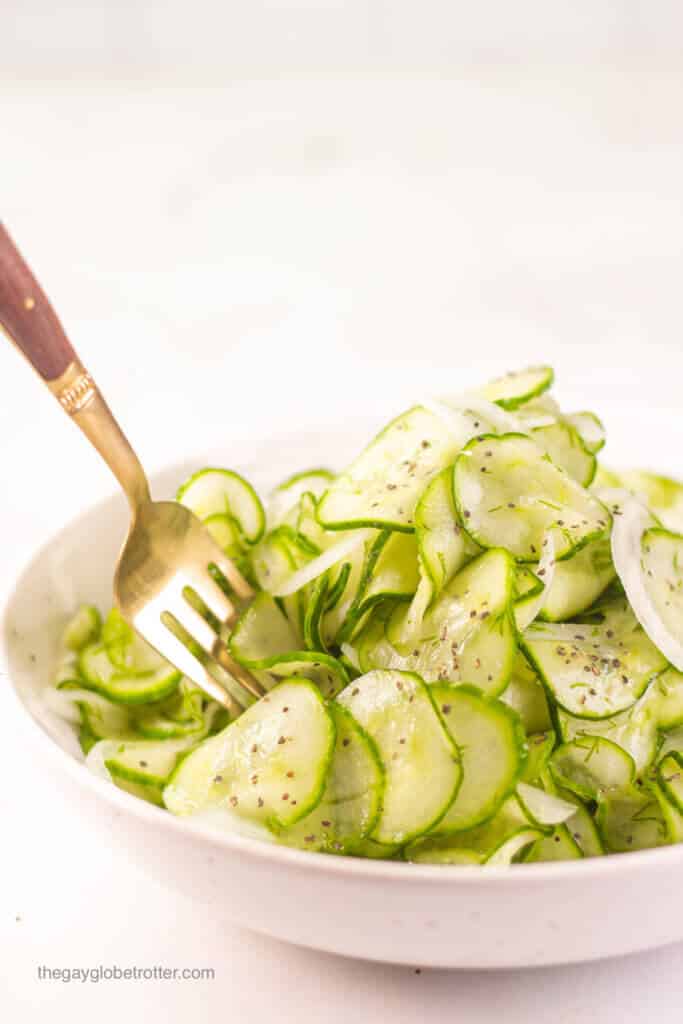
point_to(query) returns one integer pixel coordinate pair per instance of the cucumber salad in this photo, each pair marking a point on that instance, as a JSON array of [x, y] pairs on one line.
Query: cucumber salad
[[471, 640]]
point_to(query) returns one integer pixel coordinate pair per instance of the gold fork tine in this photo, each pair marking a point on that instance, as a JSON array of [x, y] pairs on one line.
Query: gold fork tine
[[215, 599]]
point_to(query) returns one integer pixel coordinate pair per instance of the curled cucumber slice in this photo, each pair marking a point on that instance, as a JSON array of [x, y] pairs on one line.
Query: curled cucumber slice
[[270, 765], [351, 802], [383, 485], [508, 493], [515, 389], [397, 711], [492, 746], [222, 492]]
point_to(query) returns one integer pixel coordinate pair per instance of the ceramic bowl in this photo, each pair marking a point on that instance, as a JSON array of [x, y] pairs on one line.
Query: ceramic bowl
[[388, 911]]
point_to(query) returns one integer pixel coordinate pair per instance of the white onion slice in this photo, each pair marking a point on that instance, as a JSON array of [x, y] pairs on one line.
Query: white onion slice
[[319, 565], [351, 655], [627, 534], [100, 753], [526, 614], [543, 807]]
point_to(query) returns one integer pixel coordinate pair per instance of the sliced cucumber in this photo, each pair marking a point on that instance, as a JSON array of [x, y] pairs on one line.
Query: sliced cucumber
[[540, 746], [517, 388], [593, 671], [83, 628], [525, 695], [443, 545], [662, 564], [631, 819], [634, 730], [467, 635], [579, 581], [126, 686], [668, 688], [566, 448], [592, 766], [582, 828], [493, 751], [390, 571], [559, 845], [496, 842], [222, 492], [590, 429], [397, 711], [508, 493], [269, 765], [351, 802], [382, 486], [287, 494], [670, 778], [264, 640], [99, 717], [183, 714]]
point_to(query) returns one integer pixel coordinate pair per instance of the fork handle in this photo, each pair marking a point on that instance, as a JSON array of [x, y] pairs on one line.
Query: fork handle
[[31, 323]]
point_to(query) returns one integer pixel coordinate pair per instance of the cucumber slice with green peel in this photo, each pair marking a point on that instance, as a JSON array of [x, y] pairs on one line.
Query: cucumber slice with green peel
[[671, 741], [540, 746], [443, 546], [390, 572], [213, 492], [383, 485], [526, 695], [634, 730], [579, 581], [496, 841], [582, 827], [668, 691], [98, 716], [83, 628], [126, 649], [183, 714], [673, 819], [314, 611], [287, 494], [559, 845], [592, 766], [663, 495], [605, 479], [397, 711], [508, 493], [468, 634], [226, 533], [590, 429], [517, 388], [440, 851], [351, 802], [269, 765], [123, 686], [492, 746], [670, 778], [592, 671], [146, 762], [631, 819], [662, 564], [566, 448], [264, 640]]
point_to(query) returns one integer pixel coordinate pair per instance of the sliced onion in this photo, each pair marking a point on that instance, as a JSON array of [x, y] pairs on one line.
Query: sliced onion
[[627, 535], [526, 614], [544, 808], [351, 654], [100, 753], [319, 565]]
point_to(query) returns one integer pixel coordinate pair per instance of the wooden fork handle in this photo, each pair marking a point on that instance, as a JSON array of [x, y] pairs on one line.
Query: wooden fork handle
[[27, 316], [32, 324]]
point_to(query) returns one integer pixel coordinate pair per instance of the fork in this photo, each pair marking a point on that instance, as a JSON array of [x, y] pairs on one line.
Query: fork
[[168, 555]]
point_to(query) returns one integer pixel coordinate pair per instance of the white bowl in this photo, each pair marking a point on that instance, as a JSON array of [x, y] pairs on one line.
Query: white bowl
[[420, 915]]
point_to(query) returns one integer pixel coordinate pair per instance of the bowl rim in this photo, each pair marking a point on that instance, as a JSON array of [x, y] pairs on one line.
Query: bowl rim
[[274, 854]]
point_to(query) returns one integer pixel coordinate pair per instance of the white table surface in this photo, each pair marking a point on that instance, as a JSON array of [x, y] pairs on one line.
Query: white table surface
[[231, 257]]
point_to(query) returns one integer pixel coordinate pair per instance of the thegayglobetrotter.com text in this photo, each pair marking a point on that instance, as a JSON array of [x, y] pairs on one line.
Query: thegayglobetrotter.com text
[[113, 972]]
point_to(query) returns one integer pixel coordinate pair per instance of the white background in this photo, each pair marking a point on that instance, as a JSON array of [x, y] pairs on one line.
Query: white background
[[260, 214]]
